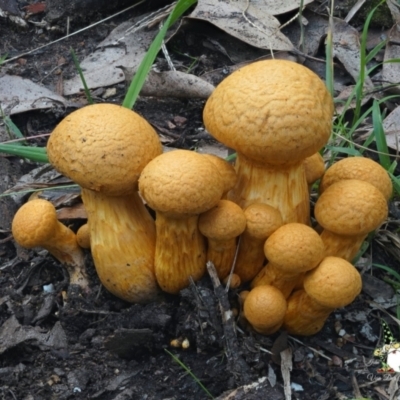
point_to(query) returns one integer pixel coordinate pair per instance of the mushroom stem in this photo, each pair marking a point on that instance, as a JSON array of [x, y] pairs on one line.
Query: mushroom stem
[[122, 240], [342, 246], [173, 268], [281, 186]]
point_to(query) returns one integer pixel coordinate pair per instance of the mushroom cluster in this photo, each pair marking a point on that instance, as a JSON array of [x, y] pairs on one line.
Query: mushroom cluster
[[252, 218]]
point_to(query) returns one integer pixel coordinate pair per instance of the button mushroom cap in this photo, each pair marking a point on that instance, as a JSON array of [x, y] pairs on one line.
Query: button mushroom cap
[[83, 236], [221, 225], [333, 284], [361, 168], [348, 210], [36, 225], [314, 167], [261, 221], [291, 250], [226, 170], [264, 308], [274, 113], [103, 148], [180, 185]]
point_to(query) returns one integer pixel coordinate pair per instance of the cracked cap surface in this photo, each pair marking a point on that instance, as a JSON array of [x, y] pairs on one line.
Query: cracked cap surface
[[103, 147], [273, 111]]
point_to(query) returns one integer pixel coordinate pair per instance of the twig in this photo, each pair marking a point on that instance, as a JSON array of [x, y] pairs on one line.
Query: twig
[[236, 362]]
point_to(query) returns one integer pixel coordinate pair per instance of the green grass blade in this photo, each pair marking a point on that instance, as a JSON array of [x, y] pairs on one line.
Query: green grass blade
[[196, 379], [38, 154], [80, 72], [396, 183], [388, 270], [344, 150], [329, 56], [380, 136], [14, 130], [148, 60]]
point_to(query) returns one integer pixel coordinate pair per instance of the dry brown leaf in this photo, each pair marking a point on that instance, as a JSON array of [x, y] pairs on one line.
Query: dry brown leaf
[[249, 22]]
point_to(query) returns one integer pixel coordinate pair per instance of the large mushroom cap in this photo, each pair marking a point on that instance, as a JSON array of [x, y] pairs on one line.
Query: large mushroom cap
[[351, 207], [361, 168], [294, 248], [275, 110], [180, 183], [334, 283], [103, 147]]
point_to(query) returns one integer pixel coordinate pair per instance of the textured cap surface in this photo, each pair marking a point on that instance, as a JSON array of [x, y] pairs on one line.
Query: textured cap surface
[[294, 248], [34, 223], [224, 221], [273, 111], [351, 207], [181, 182], [103, 147], [264, 307], [361, 168], [334, 283], [262, 220]]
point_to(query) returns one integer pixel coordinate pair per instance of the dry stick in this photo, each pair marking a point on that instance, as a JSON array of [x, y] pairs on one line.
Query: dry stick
[[236, 362]]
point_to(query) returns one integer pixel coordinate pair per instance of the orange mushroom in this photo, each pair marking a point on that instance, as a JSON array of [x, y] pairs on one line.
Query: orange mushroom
[[35, 224], [348, 210], [334, 283], [103, 148], [291, 250], [179, 186], [275, 114]]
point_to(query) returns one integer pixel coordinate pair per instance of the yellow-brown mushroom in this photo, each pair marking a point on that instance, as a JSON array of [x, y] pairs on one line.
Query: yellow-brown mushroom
[[275, 114], [36, 225], [103, 148]]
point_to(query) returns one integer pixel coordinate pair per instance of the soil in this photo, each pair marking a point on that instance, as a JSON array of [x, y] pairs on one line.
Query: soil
[[57, 342]]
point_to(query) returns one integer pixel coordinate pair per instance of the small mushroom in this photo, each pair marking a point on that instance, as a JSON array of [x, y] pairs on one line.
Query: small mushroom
[[347, 211], [264, 308], [361, 168], [35, 224], [179, 186], [291, 250], [333, 284], [261, 221], [226, 170], [83, 236], [275, 114], [103, 148], [315, 169], [221, 225]]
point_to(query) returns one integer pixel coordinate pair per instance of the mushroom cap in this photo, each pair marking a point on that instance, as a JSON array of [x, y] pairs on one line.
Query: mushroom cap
[[181, 183], [226, 170], [294, 248], [314, 167], [264, 307], [351, 207], [83, 236], [34, 223], [274, 111], [334, 283], [361, 168], [224, 221], [103, 147], [262, 220]]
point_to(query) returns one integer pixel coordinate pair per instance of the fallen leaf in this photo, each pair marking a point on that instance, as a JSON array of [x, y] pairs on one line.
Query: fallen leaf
[[251, 23], [346, 47], [19, 95]]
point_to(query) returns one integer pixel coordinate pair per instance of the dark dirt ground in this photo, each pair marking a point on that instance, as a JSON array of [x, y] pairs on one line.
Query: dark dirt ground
[[69, 345]]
